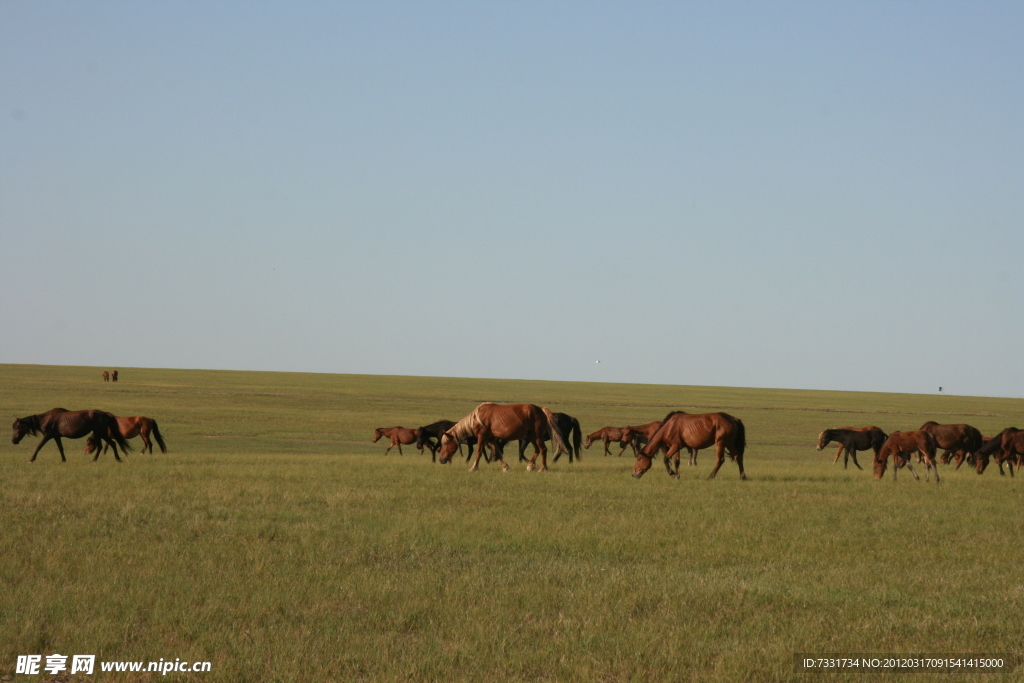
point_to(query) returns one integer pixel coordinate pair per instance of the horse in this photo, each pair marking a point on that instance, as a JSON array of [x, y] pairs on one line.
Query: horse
[[609, 434], [113, 376], [901, 445], [106, 376], [1004, 446], [851, 440], [70, 424], [491, 421], [568, 427], [680, 429], [131, 427], [398, 436], [959, 441], [640, 435], [430, 436]]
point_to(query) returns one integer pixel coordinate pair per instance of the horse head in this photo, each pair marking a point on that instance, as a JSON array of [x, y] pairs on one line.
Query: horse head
[[589, 440], [449, 444], [824, 438], [91, 444], [377, 433], [642, 464], [21, 429]]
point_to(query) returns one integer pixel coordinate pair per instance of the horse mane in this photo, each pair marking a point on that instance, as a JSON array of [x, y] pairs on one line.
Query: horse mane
[[32, 421], [464, 427], [674, 412]]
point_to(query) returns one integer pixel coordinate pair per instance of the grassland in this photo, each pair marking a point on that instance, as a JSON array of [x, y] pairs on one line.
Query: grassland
[[275, 540]]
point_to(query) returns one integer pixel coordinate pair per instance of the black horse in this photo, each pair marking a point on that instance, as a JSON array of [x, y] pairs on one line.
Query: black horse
[[71, 424], [851, 440]]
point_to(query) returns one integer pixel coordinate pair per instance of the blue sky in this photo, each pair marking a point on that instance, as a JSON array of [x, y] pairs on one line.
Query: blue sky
[[808, 195]]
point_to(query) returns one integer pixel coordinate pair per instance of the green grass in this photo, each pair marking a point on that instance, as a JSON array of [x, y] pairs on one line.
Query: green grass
[[275, 540]]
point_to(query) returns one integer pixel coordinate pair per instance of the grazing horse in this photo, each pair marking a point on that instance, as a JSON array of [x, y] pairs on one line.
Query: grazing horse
[[398, 436], [609, 434], [681, 429], [851, 440], [959, 441], [491, 421], [70, 424], [640, 436], [901, 445], [1007, 446], [106, 376], [113, 376], [131, 427]]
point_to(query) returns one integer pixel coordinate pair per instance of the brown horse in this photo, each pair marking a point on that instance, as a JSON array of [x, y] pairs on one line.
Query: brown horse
[[70, 424], [640, 435], [130, 428], [491, 421], [106, 376], [680, 429], [398, 436], [113, 376], [851, 440], [901, 445], [958, 441], [1007, 446], [609, 434]]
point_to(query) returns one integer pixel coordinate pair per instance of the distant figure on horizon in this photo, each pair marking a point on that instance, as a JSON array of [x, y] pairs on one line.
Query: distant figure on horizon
[[106, 376], [114, 376]]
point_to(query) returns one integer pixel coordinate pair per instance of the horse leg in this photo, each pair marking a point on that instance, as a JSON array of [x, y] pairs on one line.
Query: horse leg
[[399, 443], [739, 462], [853, 454], [523, 443], [720, 454], [60, 447], [543, 455], [838, 453], [45, 439], [113, 446], [693, 456], [911, 468], [146, 443], [606, 451]]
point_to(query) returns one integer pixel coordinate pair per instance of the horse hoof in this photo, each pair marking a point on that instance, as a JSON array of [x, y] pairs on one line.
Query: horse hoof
[[530, 468]]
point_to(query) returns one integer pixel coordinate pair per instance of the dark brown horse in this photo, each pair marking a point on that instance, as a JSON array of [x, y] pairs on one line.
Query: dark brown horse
[[958, 441], [851, 440], [70, 424], [106, 376], [901, 445], [491, 421], [609, 434], [398, 436], [682, 430], [113, 376], [130, 428], [430, 437], [1007, 446]]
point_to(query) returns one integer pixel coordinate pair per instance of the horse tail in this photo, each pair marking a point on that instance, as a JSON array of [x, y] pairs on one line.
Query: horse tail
[[739, 443], [556, 435], [156, 435], [973, 440], [577, 437]]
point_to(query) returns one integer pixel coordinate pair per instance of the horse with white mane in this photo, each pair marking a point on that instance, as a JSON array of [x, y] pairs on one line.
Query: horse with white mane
[[491, 421]]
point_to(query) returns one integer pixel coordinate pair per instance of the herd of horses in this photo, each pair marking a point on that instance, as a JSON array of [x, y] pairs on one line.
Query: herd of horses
[[959, 442], [491, 426]]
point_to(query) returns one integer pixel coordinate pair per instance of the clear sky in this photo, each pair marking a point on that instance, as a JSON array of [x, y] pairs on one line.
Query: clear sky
[[811, 195]]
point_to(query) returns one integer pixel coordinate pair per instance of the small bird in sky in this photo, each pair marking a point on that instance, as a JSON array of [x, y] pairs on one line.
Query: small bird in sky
[[597, 361]]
